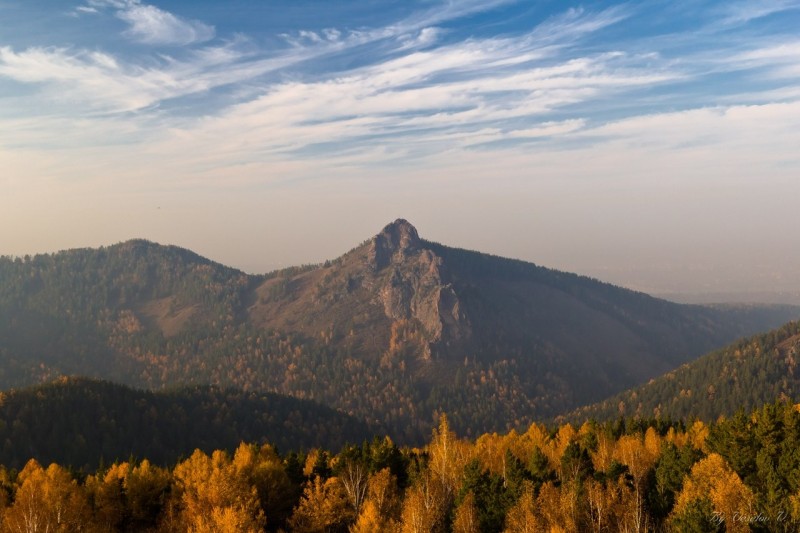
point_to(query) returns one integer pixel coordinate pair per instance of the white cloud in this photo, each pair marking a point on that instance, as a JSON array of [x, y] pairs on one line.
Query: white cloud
[[421, 39], [151, 25], [92, 81], [81, 75], [783, 59], [576, 23], [419, 103], [740, 12]]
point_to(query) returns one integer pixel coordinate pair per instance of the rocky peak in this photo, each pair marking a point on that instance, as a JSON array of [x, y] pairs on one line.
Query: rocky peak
[[414, 284], [396, 240], [400, 235]]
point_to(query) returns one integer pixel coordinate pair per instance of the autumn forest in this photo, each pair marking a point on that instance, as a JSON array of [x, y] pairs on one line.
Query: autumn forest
[[739, 474]]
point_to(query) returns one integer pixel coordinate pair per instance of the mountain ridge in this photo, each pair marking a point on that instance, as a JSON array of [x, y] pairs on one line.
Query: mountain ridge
[[398, 329], [746, 375]]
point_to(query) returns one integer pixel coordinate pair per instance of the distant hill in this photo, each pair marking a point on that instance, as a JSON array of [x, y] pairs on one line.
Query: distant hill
[[746, 375], [394, 331], [78, 422]]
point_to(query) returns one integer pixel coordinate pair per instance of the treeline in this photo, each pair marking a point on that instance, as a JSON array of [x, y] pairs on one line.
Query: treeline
[[81, 423], [739, 474]]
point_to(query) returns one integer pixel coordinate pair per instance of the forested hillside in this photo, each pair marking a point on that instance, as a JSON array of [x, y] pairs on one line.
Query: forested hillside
[[397, 330], [745, 375], [81, 423], [650, 476]]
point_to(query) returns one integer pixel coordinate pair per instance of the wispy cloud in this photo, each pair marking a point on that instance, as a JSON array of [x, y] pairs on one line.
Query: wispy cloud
[[104, 83], [416, 95], [740, 12], [84, 76], [149, 24], [450, 97], [85, 9], [782, 60], [577, 22]]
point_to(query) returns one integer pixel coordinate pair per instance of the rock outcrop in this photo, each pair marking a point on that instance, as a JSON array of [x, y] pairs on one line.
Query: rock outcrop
[[415, 284]]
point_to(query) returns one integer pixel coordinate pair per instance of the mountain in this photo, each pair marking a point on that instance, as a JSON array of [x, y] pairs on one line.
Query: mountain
[[78, 421], [394, 331], [746, 375]]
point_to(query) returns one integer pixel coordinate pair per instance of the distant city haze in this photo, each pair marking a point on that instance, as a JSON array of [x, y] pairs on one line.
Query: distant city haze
[[648, 145]]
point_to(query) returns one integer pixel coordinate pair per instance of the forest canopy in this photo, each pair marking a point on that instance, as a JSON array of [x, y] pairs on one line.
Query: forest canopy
[[737, 474]]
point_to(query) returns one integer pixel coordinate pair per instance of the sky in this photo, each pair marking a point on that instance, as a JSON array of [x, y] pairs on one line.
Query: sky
[[654, 144]]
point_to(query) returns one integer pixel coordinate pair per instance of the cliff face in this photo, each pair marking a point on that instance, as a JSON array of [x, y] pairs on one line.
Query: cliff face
[[393, 282], [415, 284]]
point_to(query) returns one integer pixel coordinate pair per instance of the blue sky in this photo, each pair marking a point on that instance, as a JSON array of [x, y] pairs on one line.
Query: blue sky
[[654, 144]]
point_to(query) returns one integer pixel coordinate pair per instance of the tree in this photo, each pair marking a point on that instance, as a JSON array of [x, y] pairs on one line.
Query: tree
[[425, 506], [556, 509], [598, 500], [671, 468], [712, 480], [108, 496], [448, 455], [214, 494], [633, 452], [147, 488], [353, 476], [321, 466], [490, 496], [381, 509], [521, 518], [383, 492], [261, 467], [539, 467], [370, 520], [697, 517], [575, 463], [466, 519], [47, 500], [323, 507]]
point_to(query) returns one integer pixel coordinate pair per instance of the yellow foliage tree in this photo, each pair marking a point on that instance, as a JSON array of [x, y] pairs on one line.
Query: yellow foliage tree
[[652, 442], [323, 506], [604, 453], [261, 467], [370, 520], [466, 519], [227, 519], [557, 508], [146, 488], [554, 448], [47, 500], [489, 450], [381, 509], [108, 494], [635, 453], [424, 506], [731, 499], [521, 518], [697, 435], [212, 490], [448, 456]]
